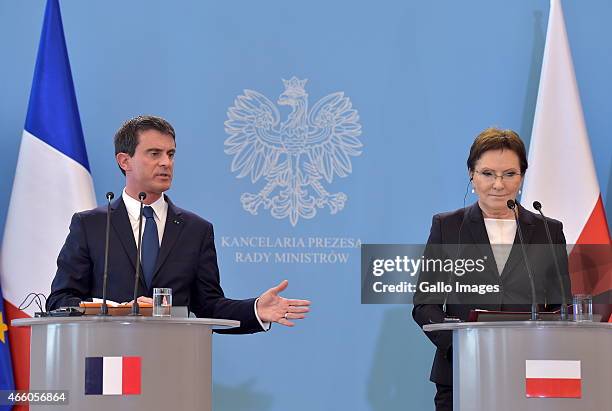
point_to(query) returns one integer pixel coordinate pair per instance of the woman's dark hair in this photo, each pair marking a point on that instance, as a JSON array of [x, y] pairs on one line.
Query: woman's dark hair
[[497, 139]]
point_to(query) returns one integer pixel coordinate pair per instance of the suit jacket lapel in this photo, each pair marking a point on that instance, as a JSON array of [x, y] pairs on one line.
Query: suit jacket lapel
[[172, 229], [122, 226], [516, 254], [475, 222]]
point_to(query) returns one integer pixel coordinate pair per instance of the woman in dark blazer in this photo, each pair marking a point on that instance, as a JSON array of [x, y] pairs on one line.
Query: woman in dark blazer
[[496, 165]]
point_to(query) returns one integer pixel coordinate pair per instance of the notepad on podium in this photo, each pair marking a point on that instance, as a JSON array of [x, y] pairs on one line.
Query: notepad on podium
[[115, 308], [491, 316]]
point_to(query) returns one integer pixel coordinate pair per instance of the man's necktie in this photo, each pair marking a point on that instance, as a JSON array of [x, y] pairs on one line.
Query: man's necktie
[[150, 245]]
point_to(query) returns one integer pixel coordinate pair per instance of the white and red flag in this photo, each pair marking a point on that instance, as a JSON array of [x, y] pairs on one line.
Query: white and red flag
[[52, 181], [561, 171], [553, 379]]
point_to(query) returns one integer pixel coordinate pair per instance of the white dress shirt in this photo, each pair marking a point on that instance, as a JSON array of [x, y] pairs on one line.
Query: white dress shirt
[[501, 236], [160, 212]]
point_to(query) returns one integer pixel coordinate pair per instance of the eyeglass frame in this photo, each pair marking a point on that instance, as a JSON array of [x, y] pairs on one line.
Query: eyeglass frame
[[505, 176]]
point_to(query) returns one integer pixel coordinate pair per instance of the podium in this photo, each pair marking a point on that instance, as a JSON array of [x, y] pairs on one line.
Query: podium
[[169, 361], [490, 363]]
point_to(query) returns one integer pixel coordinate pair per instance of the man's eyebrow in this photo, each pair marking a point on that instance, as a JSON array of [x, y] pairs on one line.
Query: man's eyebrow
[[159, 150]]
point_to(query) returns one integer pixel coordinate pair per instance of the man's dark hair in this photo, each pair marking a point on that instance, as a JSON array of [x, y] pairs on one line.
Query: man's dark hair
[[497, 139], [126, 138]]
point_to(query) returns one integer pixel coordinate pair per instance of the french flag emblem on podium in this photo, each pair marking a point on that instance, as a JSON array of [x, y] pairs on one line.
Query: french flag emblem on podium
[[112, 375], [553, 379]]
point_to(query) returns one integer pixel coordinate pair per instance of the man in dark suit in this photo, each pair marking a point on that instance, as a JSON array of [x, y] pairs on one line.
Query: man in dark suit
[[178, 249]]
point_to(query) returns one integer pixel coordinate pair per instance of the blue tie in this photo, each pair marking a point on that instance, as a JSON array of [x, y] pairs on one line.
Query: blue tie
[[150, 246]]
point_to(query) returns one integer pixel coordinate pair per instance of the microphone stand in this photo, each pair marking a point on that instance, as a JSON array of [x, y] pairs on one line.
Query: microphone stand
[[538, 206], [135, 306], [104, 306], [534, 307]]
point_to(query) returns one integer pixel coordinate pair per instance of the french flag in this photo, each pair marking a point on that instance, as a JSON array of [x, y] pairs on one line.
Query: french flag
[[553, 379], [52, 181], [561, 171], [113, 375]]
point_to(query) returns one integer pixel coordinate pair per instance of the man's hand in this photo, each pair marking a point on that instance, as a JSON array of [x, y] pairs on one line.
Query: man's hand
[[271, 307], [142, 300]]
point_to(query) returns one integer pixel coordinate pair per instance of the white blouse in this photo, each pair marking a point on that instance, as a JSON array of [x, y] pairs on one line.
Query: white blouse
[[501, 236]]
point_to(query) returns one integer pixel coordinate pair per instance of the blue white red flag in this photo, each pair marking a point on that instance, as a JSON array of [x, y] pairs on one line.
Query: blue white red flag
[[52, 181], [113, 376]]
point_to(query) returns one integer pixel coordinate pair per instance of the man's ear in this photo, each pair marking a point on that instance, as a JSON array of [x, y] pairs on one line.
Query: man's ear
[[123, 159]]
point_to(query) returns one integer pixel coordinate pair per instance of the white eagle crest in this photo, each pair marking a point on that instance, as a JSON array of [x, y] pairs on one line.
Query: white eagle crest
[[293, 156]]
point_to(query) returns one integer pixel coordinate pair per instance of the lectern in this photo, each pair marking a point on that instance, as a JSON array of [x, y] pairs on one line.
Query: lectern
[[123, 363], [539, 366]]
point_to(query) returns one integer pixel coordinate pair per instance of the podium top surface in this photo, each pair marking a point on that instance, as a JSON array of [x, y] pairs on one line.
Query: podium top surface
[[516, 324], [212, 322]]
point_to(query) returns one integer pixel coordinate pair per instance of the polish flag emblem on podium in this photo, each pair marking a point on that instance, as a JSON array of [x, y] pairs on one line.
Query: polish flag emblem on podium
[[553, 379]]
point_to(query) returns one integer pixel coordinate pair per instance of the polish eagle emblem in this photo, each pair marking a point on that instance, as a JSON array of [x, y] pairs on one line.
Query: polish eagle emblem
[[295, 157]]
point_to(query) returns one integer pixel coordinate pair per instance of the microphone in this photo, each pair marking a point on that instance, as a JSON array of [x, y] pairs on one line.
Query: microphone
[[135, 307], [104, 307], [534, 307], [538, 206]]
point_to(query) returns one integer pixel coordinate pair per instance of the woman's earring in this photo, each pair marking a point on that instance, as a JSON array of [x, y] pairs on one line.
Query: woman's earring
[[520, 191], [473, 190]]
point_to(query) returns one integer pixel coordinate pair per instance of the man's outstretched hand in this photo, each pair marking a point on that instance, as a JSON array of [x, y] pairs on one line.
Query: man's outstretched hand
[[271, 307]]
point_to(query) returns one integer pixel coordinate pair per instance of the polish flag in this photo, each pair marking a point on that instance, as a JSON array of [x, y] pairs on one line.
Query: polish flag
[[553, 379], [113, 375], [52, 181], [561, 172]]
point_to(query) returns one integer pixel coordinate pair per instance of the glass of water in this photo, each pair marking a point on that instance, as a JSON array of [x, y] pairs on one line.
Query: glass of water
[[162, 302], [583, 307]]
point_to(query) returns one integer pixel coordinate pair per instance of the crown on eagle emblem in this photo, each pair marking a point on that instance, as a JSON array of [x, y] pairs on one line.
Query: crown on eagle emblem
[[295, 84]]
